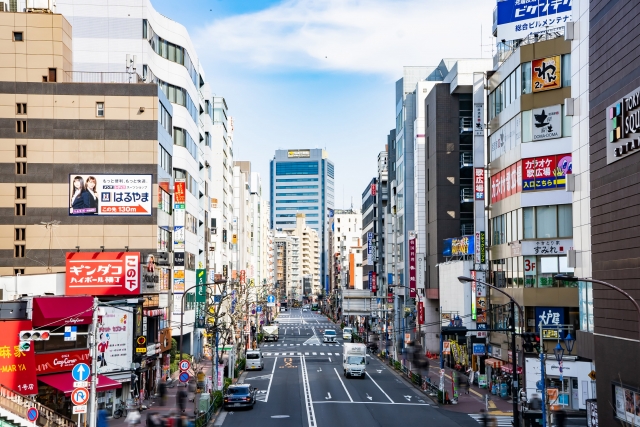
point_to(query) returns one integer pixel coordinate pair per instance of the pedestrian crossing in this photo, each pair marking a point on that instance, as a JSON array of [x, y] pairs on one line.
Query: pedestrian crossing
[[501, 420], [300, 353]]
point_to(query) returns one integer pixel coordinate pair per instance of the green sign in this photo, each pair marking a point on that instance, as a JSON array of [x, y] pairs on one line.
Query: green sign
[[201, 276], [201, 297]]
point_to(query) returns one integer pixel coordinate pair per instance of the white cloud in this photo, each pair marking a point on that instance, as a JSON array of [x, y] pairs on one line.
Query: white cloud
[[371, 36]]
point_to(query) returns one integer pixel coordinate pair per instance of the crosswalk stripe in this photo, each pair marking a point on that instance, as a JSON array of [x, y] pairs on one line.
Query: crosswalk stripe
[[501, 420], [315, 354], [307, 353], [267, 354], [321, 354]]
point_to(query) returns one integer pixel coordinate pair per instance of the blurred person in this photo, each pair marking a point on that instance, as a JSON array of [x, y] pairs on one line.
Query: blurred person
[[102, 418], [181, 398], [162, 391], [133, 417]]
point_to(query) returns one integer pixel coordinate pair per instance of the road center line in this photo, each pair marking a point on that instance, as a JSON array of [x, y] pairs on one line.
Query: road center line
[[275, 361], [311, 415], [374, 381], [343, 386]]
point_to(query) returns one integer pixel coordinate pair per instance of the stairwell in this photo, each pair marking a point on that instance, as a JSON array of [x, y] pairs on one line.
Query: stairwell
[[14, 407]]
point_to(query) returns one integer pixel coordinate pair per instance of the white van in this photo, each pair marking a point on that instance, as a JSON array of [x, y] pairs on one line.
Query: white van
[[254, 360], [354, 359], [347, 333]]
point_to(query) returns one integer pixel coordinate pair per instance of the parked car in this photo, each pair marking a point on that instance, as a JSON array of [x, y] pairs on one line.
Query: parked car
[[240, 396], [254, 360], [347, 333]]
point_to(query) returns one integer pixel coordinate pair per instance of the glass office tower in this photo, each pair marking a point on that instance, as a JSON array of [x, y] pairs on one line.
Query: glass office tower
[[302, 181]]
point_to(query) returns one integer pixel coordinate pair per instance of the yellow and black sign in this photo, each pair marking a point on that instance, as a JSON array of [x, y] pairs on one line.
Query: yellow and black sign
[[549, 333]]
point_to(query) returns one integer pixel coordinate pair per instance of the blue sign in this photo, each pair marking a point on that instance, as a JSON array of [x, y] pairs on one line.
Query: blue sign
[[478, 349], [518, 18], [70, 333], [390, 278], [459, 246], [271, 299], [539, 385], [481, 326], [259, 309], [370, 279], [549, 316], [80, 372], [184, 377], [32, 414]]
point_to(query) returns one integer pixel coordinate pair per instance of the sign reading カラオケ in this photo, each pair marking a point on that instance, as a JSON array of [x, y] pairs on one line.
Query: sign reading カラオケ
[[103, 273], [110, 194]]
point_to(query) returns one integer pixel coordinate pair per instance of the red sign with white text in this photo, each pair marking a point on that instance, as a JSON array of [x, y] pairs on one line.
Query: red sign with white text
[[17, 368], [103, 273], [478, 184], [506, 183], [373, 189], [60, 361], [412, 268], [374, 284], [420, 313]]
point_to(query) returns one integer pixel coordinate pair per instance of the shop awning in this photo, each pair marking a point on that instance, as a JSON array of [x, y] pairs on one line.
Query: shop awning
[[508, 368], [62, 311], [64, 382], [494, 363]]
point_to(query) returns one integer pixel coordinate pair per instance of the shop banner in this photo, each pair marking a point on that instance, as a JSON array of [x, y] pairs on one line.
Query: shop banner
[[374, 282], [478, 184], [60, 361], [546, 172], [115, 338], [412, 268], [420, 313], [110, 194], [103, 273], [546, 73], [165, 340], [516, 19], [17, 367], [547, 122]]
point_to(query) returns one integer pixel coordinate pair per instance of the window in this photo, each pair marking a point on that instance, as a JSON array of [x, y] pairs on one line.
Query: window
[[298, 201], [164, 201], [566, 70], [21, 168], [526, 77], [53, 73], [21, 108], [21, 151], [182, 138], [17, 271], [174, 94], [191, 223], [297, 194], [207, 139], [298, 180], [165, 160], [17, 36], [546, 225], [18, 251], [21, 209], [330, 170], [100, 109], [21, 192], [297, 168], [20, 234], [165, 119], [189, 261], [21, 126], [191, 183], [278, 187], [170, 51], [565, 221]]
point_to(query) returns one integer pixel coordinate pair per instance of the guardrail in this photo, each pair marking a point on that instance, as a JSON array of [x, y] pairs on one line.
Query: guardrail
[[19, 405], [102, 77], [422, 381]]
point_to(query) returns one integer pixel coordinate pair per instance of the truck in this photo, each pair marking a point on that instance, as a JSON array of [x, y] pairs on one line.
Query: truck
[[270, 333], [354, 360]]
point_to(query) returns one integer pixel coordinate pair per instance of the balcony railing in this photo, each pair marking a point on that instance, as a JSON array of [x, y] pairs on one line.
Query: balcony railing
[[101, 77], [466, 195], [466, 159], [504, 50], [19, 405], [466, 125]]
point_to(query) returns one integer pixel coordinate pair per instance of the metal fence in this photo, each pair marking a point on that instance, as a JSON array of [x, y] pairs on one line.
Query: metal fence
[[101, 77], [19, 405]]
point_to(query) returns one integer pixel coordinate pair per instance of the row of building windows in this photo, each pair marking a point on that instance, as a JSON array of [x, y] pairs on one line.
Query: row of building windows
[[170, 51], [165, 118], [519, 83], [291, 187], [297, 180], [182, 138], [330, 170], [297, 168], [540, 222], [175, 94], [164, 201], [298, 194], [165, 159], [298, 201], [190, 223], [531, 271], [297, 208]]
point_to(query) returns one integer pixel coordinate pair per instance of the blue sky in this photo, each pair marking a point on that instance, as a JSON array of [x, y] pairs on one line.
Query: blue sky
[[321, 73]]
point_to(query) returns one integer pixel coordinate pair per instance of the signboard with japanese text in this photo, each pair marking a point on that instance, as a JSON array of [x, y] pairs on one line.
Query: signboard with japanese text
[[178, 280], [549, 316], [179, 214], [473, 293], [201, 297], [115, 336], [517, 19], [60, 361], [546, 172], [545, 247], [546, 74], [370, 282], [298, 154], [370, 248], [374, 282], [507, 182], [103, 273], [373, 189], [110, 194], [546, 122], [412, 267], [420, 270], [459, 246], [478, 183], [478, 119], [17, 367], [480, 243], [420, 313]]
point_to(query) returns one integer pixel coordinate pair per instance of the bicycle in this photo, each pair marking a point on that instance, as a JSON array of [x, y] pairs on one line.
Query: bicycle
[[121, 410]]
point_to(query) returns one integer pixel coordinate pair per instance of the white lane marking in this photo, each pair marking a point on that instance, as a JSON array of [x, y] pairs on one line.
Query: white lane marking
[[408, 398], [369, 397], [374, 381], [319, 368], [307, 353], [329, 360], [266, 399], [220, 419], [311, 415], [279, 416], [315, 354], [371, 403], [343, 386], [328, 396], [321, 354]]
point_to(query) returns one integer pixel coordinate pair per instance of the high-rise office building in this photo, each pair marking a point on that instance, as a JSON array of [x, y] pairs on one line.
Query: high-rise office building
[[302, 182]]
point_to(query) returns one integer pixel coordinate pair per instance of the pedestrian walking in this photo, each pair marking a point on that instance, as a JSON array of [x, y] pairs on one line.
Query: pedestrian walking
[[133, 417], [162, 391], [102, 418], [182, 400], [467, 385]]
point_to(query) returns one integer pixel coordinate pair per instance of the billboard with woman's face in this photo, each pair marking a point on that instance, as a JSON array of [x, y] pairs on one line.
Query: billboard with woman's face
[[110, 194]]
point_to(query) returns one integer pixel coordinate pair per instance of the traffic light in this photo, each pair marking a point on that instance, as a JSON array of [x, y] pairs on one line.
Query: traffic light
[[34, 335], [531, 342]]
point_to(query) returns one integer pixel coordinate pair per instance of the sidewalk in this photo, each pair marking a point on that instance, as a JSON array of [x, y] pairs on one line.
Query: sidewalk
[[154, 404]]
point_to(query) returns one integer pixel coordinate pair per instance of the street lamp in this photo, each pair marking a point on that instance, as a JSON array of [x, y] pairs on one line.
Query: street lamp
[[559, 352], [569, 342], [568, 278], [514, 391]]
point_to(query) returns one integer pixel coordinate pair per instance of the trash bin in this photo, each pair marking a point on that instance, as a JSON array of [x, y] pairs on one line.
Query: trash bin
[[204, 403], [504, 390]]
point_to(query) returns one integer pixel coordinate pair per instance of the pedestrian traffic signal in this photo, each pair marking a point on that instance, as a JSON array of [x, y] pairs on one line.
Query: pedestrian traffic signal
[[34, 335]]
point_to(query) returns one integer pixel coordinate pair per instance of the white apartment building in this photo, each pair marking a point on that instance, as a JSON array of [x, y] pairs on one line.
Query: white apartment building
[[347, 234]]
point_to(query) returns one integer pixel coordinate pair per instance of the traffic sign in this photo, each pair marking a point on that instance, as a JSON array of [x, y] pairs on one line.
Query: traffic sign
[[80, 409], [259, 309], [80, 372], [80, 396], [32, 414], [271, 300], [184, 377], [77, 384], [184, 365]]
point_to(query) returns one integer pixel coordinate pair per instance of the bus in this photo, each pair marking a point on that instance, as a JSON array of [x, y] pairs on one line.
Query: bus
[[314, 306]]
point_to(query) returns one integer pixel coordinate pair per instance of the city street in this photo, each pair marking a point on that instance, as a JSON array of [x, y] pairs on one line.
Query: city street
[[303, 385]]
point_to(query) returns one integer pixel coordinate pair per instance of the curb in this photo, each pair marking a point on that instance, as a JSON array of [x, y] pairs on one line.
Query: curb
[[405, 379]]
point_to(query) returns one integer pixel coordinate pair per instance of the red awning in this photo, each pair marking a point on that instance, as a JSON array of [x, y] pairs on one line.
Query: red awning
[[62, 311], [494, 363], [508, 368], [64, 382]]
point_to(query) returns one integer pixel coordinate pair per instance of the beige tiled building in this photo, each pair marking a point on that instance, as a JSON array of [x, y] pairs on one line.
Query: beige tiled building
[[52, 127]]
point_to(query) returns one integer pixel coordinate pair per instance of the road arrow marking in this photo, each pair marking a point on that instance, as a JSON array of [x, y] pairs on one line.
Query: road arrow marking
[[379, 371], [328, 396], [320, 369], [369, 397], [408, 398], [329, 360]]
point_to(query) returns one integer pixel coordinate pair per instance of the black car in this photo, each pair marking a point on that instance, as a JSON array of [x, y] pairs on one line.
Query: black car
[[240, 396]]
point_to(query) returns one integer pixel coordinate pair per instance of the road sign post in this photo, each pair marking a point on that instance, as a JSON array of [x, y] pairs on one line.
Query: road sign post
[[32, 414], [184, 377], [184, 365], [80, 372]]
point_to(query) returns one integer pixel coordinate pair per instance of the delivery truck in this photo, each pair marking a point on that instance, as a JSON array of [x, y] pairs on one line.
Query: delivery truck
[[354, 360], [270, 333]]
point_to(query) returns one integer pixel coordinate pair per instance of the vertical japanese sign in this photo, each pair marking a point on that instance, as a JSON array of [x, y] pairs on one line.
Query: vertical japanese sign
[[374, 282], [201, 297], [243, 276], [179, 213], [420, 313], [478, 125], [115, 336], [478, 183], [370, 280], [17, 365], [373, 190], [420, 270], [473, 295], [370, 248], [480, 247], [412, 266], [102, 273]]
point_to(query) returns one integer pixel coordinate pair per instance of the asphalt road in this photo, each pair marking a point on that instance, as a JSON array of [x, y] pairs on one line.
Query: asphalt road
[[303, 385]]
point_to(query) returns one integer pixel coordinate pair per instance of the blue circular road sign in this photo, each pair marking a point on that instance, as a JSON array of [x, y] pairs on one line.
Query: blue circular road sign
[[184, 377], [80, 372], [32, 414], [271, 298]]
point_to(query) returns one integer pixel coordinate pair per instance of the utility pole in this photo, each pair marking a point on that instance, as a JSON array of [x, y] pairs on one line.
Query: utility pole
[[93, 401]]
